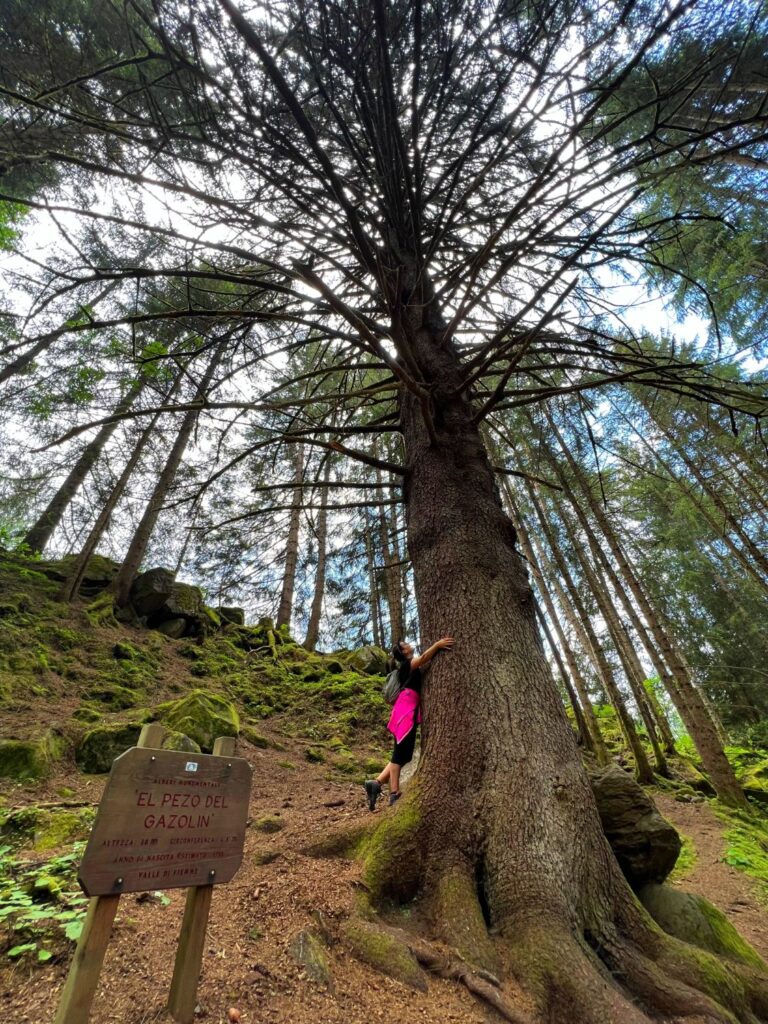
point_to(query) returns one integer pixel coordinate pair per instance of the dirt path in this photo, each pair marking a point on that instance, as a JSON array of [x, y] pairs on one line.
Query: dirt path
[[730, 890], [279, 891], [247, 962]]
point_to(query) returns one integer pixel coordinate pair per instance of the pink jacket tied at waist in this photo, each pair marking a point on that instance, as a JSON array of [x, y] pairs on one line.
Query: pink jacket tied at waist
[[406, 708]]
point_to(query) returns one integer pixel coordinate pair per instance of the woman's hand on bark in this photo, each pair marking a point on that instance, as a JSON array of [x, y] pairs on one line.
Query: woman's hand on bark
[[445, 643]]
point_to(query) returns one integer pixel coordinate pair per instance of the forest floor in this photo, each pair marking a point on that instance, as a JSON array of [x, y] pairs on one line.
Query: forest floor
[[279, 891], [55, 662]]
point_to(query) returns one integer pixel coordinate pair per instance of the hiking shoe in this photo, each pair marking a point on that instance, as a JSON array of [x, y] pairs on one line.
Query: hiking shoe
[[394, 797], [373, 792]]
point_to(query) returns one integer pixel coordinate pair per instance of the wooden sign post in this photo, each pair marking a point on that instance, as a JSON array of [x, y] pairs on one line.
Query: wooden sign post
[[167, 819]]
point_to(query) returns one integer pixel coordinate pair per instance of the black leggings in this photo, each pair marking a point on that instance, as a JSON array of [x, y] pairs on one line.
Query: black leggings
[[403, 751]]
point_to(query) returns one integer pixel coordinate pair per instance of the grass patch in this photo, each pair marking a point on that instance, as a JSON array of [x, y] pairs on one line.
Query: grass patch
[[686, 862], [746, 837]]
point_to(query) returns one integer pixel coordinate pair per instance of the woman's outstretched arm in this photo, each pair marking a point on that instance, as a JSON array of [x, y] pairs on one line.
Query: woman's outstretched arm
[[420, 660]]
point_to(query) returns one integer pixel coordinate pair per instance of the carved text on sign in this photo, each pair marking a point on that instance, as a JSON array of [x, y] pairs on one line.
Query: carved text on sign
[[167, 821]]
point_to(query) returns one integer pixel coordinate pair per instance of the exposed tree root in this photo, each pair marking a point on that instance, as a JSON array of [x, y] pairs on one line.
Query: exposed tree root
[[341, 842], [482, 984], [458, 918]]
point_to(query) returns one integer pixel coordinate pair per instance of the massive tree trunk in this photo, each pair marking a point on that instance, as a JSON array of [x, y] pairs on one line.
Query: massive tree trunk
[[39, 534], [499, 831]]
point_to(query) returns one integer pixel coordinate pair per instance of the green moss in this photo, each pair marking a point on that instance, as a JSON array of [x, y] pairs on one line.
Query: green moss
[[286, 764], [88, 713], [392, 856], [254, 737], [307, 951], [262, 857], [123, 651], [268, 823], [115, 697], [694, 920], [22, 760], [31, 759], [314, 755], [178, 741], [47, 829], [383, 951], [101, 611], [459, 918], [62, 827], [686, 860], [747, 845], [203, 716], [100, 746]]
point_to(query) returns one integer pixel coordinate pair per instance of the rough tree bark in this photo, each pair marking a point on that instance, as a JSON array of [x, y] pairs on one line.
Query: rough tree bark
[[500, 832], [285, 607]]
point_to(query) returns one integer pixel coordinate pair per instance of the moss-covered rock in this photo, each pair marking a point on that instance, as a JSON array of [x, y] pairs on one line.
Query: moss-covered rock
[[100, 746], [269, 823], [645, 844], [150, 590], [27, 760], [369, 659], [314, 755], [179, 741], [173, 628], [254, 737], [87, 713], [233, 615], [46, 828], [374, 946], [202, 716], [308, 953], [693, 919], [123, 651], [113, 696]]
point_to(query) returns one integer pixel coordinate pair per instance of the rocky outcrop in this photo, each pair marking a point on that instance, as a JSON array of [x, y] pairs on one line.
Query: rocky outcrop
[[369, 659], [100, 746], [645, 844], [175, 609], [201, 716]]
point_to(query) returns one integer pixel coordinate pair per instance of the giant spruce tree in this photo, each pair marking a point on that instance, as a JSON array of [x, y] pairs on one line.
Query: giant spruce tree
[[438, 192]]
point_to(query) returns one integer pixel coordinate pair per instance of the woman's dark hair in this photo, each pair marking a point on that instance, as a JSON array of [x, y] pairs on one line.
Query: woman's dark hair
[[397, 653]]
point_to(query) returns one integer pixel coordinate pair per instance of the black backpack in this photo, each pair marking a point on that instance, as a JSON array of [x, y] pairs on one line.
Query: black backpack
[[392, 687]]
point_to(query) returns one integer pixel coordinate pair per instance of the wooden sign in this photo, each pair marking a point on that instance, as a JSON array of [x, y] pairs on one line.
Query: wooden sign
[[167, 820]]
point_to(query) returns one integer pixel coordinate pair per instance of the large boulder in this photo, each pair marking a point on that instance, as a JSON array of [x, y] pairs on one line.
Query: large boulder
[[693, 919], [369, 659], [99, 572], [150, 590], [234, 615], [202, 716], [27, 760], [100, 746], [645, 844]]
